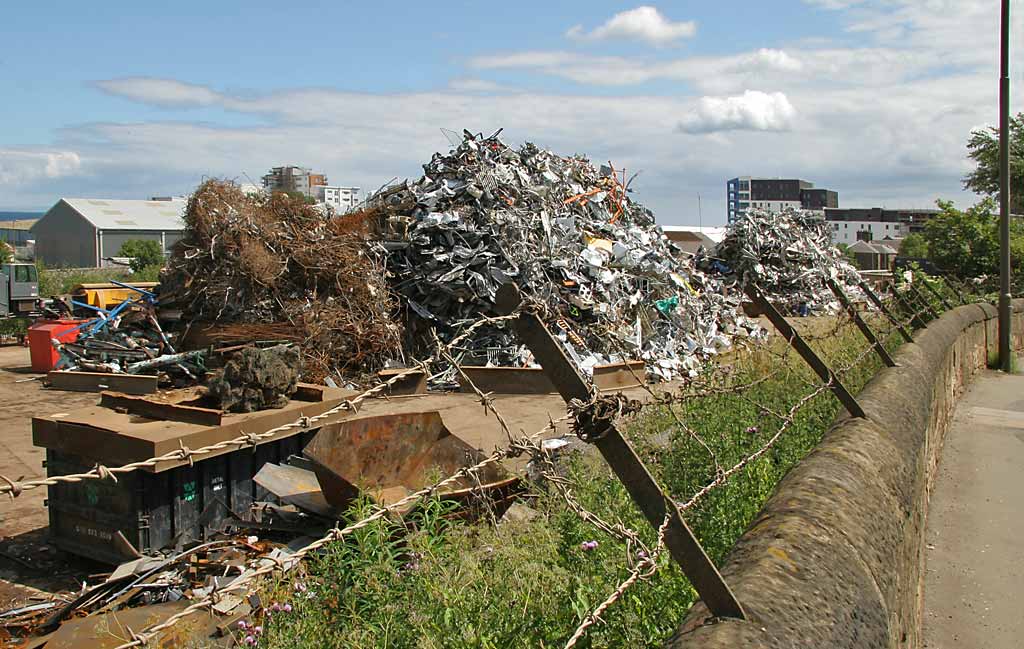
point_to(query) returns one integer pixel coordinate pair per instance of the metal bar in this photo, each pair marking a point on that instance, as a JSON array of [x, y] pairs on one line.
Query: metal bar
[[627, 465], [956, 290], [915, 314], [800, 345], [844, 299], [884, 309], [939, 296], [98, 381], [923, 301]]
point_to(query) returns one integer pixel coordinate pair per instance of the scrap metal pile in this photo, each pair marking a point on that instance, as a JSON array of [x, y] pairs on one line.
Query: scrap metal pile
[[789, 255], [277, 262], [128, 339], [138, 591], [608, 280]]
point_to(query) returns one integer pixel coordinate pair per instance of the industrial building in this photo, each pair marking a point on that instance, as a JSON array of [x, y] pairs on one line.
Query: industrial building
[[850, 225], [84, 232], [775, 195]]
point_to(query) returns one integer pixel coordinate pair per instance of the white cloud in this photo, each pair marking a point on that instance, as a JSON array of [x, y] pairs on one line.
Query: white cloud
[[715, 74], [161, 92], [18, 166], [751, 111], [476, 85], [644, 23]]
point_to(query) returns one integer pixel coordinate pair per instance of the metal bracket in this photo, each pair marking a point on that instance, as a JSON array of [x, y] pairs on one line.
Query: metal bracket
[[809, 355], [884, 309], [627, 465], [844, 299]]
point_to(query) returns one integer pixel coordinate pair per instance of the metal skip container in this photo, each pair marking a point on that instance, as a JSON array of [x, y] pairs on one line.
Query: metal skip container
[[391, 456]]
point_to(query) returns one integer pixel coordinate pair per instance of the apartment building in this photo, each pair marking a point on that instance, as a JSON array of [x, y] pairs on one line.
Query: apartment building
[[776, 195]]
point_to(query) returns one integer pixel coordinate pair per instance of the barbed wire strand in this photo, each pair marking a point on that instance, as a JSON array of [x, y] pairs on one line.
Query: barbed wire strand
[[15, 488]]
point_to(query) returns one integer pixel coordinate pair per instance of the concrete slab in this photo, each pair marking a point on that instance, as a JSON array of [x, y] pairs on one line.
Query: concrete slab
[[974, 574]]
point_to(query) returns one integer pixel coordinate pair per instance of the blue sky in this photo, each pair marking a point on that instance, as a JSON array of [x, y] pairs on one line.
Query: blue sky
[[873, 98]]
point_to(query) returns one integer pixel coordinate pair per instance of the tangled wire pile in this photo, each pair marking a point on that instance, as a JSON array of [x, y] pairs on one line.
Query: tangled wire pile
[[275, 260], [571, 237], [789, 255]]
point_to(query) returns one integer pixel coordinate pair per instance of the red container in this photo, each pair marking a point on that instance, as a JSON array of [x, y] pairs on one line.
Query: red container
[[44, 356]]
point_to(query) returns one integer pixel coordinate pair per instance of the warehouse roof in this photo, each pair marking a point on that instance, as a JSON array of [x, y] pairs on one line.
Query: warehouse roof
[[108, 214]]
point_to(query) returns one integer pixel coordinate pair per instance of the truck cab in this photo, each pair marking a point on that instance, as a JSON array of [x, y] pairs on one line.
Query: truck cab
[[19, 290]]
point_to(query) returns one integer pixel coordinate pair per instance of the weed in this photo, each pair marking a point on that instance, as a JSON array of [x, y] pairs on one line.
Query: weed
[[438, 583]]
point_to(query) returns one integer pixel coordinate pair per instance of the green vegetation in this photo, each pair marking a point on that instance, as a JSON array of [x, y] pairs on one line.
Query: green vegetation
[[983, 149], [145, 254], [60, 281], [438, 582], [966, 243], [915, 246]]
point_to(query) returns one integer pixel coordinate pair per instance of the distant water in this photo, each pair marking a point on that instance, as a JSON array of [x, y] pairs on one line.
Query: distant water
[[16, 216]]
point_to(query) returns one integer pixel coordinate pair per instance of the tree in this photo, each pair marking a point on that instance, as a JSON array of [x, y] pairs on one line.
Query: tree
[[6, 251], [983, 149], [966, 243], [914, 246], [144, 253]]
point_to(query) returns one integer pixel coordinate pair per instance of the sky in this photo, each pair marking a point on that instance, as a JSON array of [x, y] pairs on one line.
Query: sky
[[872, 98]]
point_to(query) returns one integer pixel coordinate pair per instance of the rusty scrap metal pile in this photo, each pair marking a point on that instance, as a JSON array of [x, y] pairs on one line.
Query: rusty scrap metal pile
[[610, 283], [789, 255], [128, 339], [274, 260]]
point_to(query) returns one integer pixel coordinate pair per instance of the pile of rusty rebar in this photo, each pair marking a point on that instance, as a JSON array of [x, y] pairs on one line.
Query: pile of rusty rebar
[[275, 260]]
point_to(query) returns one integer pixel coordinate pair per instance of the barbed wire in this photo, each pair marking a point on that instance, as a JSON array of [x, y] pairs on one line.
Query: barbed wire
[[644, 569], [15, 488], [283, 565]]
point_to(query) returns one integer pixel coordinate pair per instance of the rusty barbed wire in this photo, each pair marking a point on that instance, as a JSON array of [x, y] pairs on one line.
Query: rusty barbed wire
[[284, 565], [14, 488]]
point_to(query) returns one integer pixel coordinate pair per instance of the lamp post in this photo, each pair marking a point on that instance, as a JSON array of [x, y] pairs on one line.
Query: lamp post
[[1004, 190]]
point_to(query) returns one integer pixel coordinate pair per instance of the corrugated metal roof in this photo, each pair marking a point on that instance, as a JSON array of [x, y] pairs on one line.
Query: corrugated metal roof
[[107, 214]]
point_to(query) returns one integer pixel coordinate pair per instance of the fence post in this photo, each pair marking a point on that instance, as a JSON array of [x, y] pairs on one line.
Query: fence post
[[934, 291], [599, 429], [844, 299], [884, 309], [809, 355]]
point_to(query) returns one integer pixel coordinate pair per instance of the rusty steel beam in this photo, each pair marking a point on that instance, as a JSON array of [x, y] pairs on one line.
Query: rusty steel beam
[[627, 465], [923, 301], [810, 357], [844, 299]]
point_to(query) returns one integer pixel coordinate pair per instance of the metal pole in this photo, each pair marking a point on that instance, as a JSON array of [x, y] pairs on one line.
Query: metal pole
[[1004, 190]]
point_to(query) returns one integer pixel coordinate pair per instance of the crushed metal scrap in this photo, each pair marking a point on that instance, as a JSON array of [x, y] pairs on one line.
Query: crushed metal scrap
[[610, 283], [788, 254]]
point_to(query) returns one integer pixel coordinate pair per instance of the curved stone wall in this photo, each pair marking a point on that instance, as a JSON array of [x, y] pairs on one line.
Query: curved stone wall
[[834, 560]]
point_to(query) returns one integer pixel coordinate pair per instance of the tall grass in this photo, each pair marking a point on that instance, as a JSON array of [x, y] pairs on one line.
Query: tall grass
[[439, 583]]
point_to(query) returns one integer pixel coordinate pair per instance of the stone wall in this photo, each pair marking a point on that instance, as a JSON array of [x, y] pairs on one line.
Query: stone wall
[[835, 558]]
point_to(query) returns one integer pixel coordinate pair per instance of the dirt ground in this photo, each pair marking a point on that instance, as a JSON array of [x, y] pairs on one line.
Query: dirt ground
[[27, 562]]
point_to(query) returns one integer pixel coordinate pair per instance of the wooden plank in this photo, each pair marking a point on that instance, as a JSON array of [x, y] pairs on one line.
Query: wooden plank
[[100, 381], [161, 409]]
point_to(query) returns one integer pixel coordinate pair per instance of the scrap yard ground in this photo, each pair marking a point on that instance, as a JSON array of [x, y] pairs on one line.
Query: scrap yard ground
[[25, 559]]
